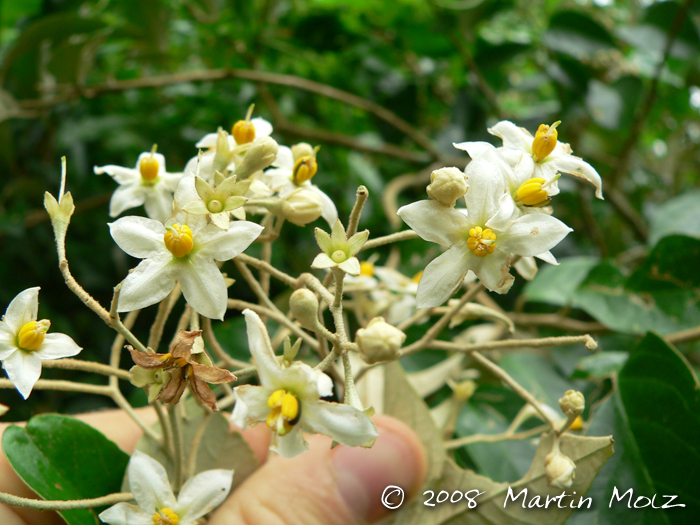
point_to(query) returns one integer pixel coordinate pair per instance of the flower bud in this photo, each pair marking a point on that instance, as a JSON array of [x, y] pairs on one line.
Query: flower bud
[[559, 469], [447, 185], [379, 341], [302, 150], [304, 306], [259, 156], [302, 207], [464, 390], [572, 404]]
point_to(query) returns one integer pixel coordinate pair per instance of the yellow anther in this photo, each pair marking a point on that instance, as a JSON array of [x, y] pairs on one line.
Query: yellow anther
[[272, 418], [275, 400], [481, 242], [532, 193], [367, 269], [31, 335], [577, 424], [165, 357], [304, 169], [416, 278], [166, 517], [149, 168], [545, 140], [243, 132], [290, 407], [178, 239]]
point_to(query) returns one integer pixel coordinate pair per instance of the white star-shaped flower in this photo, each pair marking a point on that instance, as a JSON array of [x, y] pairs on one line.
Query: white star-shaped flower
[[148, 184], [539, 157], [290, 174], [156, 503], [183, 252], [289, 400], [24, 343], [482, 240]]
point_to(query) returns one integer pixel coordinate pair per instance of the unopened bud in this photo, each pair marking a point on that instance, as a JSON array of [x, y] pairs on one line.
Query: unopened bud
[[302, 207], [447, 185], [304, 306], [259, 156], [380, 341], [572, 404], [559, 469], [464, 390], [302, 150]]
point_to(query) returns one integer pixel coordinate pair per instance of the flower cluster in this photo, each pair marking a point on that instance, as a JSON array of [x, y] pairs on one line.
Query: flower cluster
[[507, 219]]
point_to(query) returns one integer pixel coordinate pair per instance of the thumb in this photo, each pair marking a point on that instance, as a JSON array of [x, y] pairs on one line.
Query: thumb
[[342, 486]]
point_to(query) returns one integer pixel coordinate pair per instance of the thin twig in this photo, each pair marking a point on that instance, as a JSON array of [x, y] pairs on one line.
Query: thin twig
[[388, 239], [65, 386], [495, 438], [354, 221], [208, 332], [40, 504], [274, 272], [86, 366], [586, 340]]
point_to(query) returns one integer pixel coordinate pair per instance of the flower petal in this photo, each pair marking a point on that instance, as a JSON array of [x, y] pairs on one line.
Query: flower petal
[[262, 127], [138, 236], [149, 483], [224, 245], [251, 405], [159, 203], [493, 272], [8, 340], [487, 183], [23, 309], [204, 287], [344, 423], [526, 267], [23, 369], [207, 141], [435, 222], [351, 266], [474, 149], [357, 241], [323, 240], [578, 168], [126, 197], [261, 349], [150, 282], [291, 444], [56, 346], [533, 234], [329, 211], [322, 261], [442, 276], [285, 159], [203, 493], [126, 514], [548, 258], [120, 174], [512, 135]]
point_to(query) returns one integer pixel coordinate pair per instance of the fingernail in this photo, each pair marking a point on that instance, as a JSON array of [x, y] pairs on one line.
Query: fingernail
[[362, 474]]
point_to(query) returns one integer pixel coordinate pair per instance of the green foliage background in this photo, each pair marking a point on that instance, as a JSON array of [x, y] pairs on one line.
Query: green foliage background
[[623, 77]]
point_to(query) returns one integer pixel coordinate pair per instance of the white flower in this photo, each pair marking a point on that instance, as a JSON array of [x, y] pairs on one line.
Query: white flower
[[157, 505], [289, 400], [482, 240], [544, 157], [559, 469], [339, 251], [147, 184], [380, 341], [291, 173], [24, 342], [179, 252]]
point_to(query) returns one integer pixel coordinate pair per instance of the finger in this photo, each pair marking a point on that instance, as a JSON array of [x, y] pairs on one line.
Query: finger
[[324, 486]]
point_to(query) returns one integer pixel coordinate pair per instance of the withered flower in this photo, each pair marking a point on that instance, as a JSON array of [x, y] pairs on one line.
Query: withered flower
[[183, 369]]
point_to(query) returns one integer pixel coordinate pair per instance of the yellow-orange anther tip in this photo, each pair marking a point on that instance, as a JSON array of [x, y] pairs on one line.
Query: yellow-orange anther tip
[[243, 132], [149, 168]]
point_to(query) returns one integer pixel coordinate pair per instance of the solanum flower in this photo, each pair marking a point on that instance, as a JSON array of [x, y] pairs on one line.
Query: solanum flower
[[24, 342], [544, 157], [289, 400], [293, 171], [148, 184], [339, 251], [156, 503], [183, 252], [196, 196], [482, 240]]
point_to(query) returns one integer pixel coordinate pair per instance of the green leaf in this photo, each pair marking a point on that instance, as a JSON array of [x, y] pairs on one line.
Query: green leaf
[[655, 420], [602, 364], [220, 446], [63, 458], [576, 34], [557, 284], [677, 215]]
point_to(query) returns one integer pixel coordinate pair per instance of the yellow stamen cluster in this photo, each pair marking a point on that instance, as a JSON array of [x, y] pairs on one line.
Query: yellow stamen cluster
[[31, 335], [166, 517], [531, 193], [304, 169], [367, 269], [545, 140], [149, 168], [285, 413], [481, 242], [178, 239], [243, 132]]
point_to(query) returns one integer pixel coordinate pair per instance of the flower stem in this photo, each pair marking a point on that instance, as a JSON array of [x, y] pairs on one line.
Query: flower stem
[[40, 504], [178, 451]]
